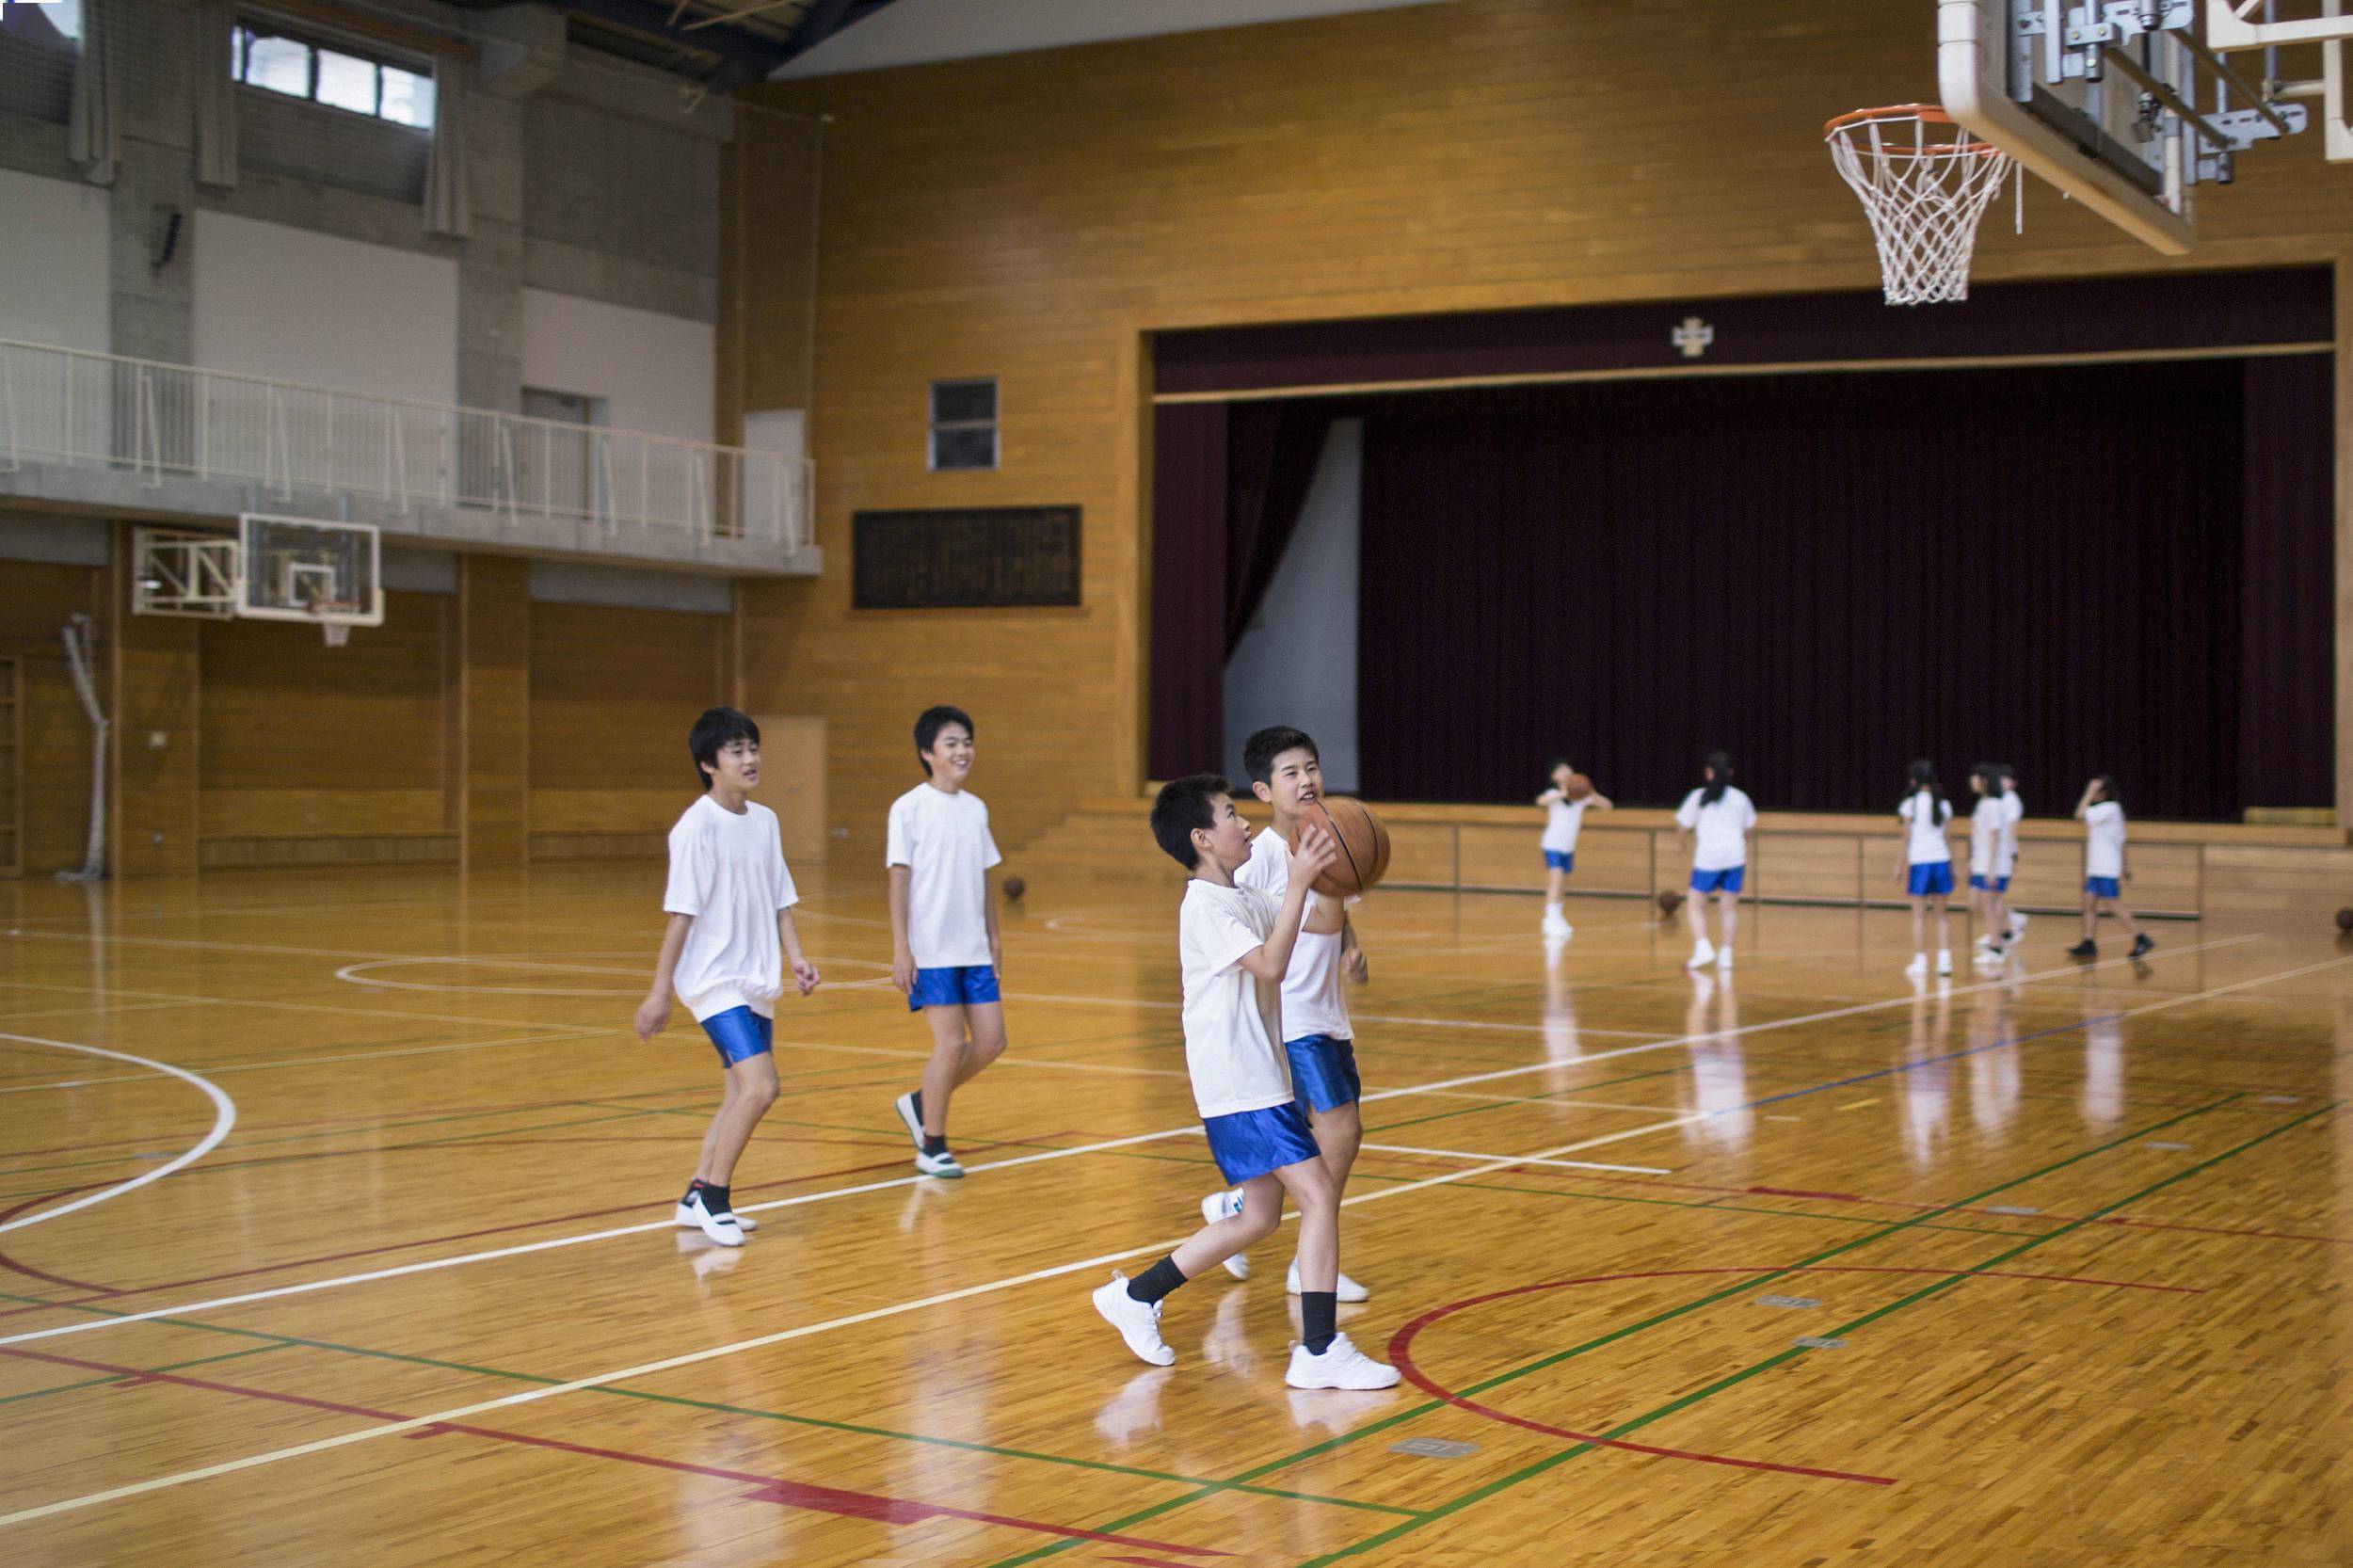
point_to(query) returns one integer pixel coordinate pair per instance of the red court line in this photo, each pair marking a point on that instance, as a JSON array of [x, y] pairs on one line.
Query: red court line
[[790, 1494], [1402, 1343], [14, 1267]]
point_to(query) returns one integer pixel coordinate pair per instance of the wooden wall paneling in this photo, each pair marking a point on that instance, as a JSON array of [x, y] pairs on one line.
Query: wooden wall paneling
[[1422, 854], [1035, 217], [494, 612], [614, 691], [36, 598], [152, 789], [793, 755], [304, 741]]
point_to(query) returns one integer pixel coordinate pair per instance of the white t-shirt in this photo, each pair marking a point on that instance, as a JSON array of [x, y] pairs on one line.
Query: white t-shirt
[[1563, 819], [1929, 846], [728, 872], [1994, 834], [1233, 1020], [2103, 844], [943, 840], [1314, 1000], [1720, 830]]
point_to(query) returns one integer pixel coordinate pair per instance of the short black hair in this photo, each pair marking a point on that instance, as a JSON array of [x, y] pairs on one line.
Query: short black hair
[[1182, 805], [713, 733], [1259, 752], [931, 722]]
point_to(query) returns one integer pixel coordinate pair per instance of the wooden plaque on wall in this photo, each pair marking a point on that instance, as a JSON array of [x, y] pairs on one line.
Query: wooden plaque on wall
[[964, 558]]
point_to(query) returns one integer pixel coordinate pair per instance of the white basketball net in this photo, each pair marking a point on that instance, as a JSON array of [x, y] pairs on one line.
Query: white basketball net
[[1924, 182]]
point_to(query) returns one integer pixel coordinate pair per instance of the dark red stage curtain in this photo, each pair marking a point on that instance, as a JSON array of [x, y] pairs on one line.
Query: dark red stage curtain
[[1228, 483], [1830, 575], [2287, 728]]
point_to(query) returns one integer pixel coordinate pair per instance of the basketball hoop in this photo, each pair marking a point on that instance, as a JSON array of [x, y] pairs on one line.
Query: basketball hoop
[[1925, 181], [329, 614]]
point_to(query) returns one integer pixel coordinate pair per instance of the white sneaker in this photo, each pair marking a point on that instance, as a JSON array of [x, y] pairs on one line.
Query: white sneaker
[[1224, 1205], [725, 1229], [686, 1218], [1138, 1324], [1349, 1290], [1340, 1366], [1702, 955], [1918, 967], [2017, 925], [1723, 958], [942, 1165], [905, 1106], [1558, 929], [1982, 943], [1944, 961]]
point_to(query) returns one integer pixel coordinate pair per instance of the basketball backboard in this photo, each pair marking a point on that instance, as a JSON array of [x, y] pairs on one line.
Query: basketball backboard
[[308, 570], [2127, 105]]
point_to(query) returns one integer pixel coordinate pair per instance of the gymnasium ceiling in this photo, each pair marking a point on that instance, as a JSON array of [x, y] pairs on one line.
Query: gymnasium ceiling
[[721, 43]]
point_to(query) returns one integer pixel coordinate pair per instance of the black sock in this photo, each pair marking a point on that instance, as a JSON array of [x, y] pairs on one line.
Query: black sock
[[1319, 1319], [919, 1108], [935, 1145], [717, 1200], [1157, 1281], [692, 1187]]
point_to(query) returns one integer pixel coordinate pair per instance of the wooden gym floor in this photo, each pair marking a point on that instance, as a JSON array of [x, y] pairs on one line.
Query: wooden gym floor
[[1794, 1267]]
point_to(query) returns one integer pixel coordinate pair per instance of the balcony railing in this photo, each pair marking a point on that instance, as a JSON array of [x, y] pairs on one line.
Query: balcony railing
[[157, 419]]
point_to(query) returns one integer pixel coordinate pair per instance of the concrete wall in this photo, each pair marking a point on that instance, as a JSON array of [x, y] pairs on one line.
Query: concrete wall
[[652, 371], [53, 262]]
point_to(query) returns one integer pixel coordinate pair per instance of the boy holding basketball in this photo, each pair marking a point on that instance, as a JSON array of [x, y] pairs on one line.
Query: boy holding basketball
[[1286, 773], [1565, 803], [1236, 944], [946, 952], [730, 902]]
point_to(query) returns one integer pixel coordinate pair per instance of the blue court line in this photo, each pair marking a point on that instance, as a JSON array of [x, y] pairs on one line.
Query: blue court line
[[1924, 1062]]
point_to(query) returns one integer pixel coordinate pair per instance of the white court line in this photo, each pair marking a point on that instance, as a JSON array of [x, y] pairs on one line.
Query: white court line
[[1571, 1164], [224, 1117], [1189, 1129], [1011, 1059], [193, 999], [265, 1067], [627, 1375]]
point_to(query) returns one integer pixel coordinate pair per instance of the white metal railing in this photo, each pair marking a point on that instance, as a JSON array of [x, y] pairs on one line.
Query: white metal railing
[[69, 405]]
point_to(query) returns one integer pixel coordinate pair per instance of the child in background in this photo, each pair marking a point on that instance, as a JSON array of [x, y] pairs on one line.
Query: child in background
[[1926, 869], [2106, 869], [1992, 853], [1563, 819], [1716, 821]]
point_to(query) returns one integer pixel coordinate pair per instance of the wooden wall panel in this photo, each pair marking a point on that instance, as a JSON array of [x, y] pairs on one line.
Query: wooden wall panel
[[152, 788], [494, 612], [35, 599], [303, 741], [1033, 216], [613, 693]]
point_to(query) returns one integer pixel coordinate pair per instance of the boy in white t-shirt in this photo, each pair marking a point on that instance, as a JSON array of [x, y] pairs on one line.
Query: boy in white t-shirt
[[1235, 944], [1716, 820], [1927, 867], [2106, 869], [1318, 1039], [1564, 819], [946, 952], [730, 902]]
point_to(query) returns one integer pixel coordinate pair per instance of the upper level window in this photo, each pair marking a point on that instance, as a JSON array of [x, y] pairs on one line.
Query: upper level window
[[335, 74], [43, 21], [964, 423]]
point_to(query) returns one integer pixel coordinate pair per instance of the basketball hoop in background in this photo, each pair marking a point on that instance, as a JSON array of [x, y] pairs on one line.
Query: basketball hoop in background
[[1925, 181]]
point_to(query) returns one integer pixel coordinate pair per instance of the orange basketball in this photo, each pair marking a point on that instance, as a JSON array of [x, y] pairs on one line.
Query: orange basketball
[[1364, 846], [1579, 787]]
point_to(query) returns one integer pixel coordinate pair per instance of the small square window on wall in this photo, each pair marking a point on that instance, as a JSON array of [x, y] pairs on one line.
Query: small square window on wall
[[963, 425]]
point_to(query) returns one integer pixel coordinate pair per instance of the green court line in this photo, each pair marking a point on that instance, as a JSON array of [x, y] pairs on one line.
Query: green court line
[[282, 1341], [1252, 1474], [1793, 1352], [119, 1377]]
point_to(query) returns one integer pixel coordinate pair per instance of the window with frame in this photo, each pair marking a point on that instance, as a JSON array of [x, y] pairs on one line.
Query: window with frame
[[964, 423], [340, 76]]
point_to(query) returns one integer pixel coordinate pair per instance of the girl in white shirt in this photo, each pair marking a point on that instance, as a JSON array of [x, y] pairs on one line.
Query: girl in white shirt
[[1564, 816], [2101, 812], [1716, 821], [1992, 851], [1927, 867]]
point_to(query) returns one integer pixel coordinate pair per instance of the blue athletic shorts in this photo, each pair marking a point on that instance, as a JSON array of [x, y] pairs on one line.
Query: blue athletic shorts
[[1932, 876], [1726, 881], [956, 988], [739, 1035], [1999, 884], [1561, 860], [1323, 1071], [2103, 886], [1253, 1142]]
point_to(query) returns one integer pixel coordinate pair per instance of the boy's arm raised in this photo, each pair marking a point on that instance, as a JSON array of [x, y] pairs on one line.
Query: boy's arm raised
[[654, 1013], [1310, 858]]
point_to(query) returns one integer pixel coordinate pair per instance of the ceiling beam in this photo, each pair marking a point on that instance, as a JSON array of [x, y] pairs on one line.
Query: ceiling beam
[[746, 53]]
